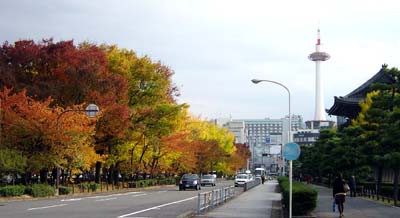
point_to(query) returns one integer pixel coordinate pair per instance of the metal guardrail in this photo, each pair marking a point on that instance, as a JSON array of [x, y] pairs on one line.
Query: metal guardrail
[[210, 199], [251, 184]]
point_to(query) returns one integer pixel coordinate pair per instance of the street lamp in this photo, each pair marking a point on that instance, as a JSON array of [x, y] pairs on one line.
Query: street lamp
[[255, 81], [91, 111]]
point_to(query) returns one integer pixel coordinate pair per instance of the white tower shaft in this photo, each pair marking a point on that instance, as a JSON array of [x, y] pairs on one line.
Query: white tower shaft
[[317, 57], [319, 100]]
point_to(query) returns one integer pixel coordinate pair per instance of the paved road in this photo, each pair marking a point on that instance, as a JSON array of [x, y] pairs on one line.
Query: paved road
[[162, 202], [353, 207]]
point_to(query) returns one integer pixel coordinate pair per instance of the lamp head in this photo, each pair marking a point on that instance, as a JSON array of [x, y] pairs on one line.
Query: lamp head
[[255, 81]]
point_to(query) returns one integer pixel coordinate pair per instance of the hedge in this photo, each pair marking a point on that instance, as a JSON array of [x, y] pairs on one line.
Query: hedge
[[89, 186], [304, 198], [63, 190], [151, 182], [12, 190], [40, 190]]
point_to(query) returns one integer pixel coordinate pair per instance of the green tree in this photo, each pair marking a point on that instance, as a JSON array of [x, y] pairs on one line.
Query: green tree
[[380, 119], [12, 162]]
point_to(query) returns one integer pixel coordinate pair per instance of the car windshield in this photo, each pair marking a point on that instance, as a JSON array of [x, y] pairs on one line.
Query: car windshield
[[208, 177], [241, 177], [259, 172], [187, 176]]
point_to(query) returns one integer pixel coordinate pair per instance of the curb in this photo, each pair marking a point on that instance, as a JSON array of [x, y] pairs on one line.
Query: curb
[[187, 214]]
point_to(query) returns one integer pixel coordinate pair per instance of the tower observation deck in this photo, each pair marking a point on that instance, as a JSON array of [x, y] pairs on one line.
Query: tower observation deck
[[317, 57]]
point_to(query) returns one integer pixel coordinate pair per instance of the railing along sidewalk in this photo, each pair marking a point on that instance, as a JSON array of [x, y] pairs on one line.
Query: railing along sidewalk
[[251, 184], [210, 199], [371, 193]]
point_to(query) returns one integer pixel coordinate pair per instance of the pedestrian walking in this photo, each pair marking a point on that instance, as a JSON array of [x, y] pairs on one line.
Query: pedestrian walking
[[353, 187], [339, 193], [262, 179]]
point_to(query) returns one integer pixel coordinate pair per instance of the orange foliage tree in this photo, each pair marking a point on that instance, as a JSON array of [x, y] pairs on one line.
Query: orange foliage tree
[[30, 127]]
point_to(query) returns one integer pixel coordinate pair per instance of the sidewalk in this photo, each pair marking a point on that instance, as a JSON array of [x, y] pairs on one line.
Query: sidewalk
[[353, 207], [258, 202]]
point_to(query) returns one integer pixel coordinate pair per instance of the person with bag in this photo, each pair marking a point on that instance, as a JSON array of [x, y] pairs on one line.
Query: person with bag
[[339, 192]]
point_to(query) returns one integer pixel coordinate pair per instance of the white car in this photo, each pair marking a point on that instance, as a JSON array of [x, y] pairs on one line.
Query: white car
[[207, 180], [242, 179]]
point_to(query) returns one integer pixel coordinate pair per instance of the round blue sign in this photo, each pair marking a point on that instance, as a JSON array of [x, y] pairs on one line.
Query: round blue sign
[[291, 151]]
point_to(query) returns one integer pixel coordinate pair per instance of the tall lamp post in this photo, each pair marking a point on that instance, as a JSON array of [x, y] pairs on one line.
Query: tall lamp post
[[91, 111], [255, 81]]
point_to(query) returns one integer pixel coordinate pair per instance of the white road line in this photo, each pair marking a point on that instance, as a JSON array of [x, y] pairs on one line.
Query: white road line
[[106, 196], [161, 191], [72, 199], [39, 208], [137, 195], [157, 207], [106, 199]]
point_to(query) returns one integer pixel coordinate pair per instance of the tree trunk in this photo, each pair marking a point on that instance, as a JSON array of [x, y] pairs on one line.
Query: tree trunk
[[27, 178], [43, 176], [145, 147], [396, 186], [379, 179], [116, 174], [111, 174], [97, 172]]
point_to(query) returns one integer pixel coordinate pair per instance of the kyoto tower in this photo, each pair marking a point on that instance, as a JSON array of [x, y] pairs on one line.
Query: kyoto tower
[[317, 57]]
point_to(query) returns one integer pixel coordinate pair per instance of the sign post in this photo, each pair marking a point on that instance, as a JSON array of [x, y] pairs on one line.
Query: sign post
[[291, 152]]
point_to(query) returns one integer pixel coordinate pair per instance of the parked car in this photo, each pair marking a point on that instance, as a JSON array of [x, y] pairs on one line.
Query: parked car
[[242, 179], [189, 181], [208, 180]]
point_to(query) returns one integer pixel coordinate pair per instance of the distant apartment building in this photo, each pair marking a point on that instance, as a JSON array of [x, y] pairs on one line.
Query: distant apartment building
[[264, 136], [238, 128]]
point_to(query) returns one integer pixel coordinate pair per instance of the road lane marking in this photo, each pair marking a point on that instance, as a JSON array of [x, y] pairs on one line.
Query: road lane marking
[[138, 195], [161, 191], [157, 207], [106, 199], [40, 208], [72, 199], [112, 195]]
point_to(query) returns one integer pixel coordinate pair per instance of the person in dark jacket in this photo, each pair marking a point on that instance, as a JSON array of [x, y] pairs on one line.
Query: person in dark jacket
[[352, 185], [339, 193]]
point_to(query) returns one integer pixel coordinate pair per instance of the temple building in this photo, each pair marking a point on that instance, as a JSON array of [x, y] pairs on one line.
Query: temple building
[[347, 107]]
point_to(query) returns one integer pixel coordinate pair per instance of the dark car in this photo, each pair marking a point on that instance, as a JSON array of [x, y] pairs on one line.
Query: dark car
[[189, 181]]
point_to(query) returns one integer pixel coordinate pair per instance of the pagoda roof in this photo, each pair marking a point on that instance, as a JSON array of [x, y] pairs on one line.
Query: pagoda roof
[[348, 105]]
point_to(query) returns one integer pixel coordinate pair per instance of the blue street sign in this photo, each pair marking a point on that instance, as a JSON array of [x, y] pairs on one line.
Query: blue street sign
[[268, 140], [291, 151]]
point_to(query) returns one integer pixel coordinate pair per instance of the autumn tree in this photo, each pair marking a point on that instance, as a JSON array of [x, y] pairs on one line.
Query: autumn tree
[[30, 127]]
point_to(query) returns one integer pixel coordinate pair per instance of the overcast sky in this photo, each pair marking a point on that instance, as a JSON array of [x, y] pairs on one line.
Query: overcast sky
[[216, 47]]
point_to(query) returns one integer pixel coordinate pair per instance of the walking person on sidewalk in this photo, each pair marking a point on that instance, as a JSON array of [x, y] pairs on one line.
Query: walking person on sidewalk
[[352, 185], [339, 193]]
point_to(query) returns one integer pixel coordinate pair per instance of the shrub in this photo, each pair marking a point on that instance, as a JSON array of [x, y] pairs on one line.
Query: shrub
[[304, 198], [63, 190], [40, 190], [94, 186], [12, 190], [83, 186], [132, 184]]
